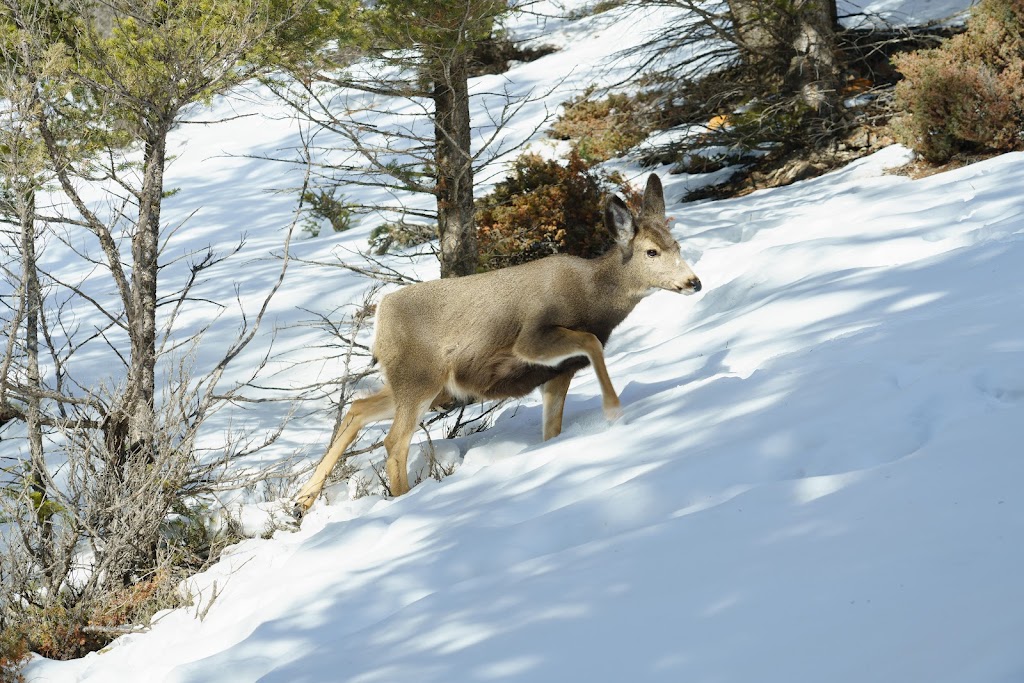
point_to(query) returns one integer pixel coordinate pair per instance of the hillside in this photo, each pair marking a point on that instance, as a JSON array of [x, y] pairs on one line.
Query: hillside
[[816, 477]]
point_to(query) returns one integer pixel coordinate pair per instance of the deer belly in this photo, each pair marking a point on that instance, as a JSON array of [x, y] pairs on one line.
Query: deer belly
[[506, 376]]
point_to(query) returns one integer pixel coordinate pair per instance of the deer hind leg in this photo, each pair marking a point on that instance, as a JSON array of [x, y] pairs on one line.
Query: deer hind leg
[[553, 345], [408, 412], [379, 406], [554, 391]]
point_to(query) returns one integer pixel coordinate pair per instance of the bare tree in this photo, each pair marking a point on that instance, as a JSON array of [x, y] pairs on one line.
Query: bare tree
[[22, 167]]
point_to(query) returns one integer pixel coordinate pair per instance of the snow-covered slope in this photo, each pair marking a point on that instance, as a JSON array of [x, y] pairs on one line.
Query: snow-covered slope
[[816, 478]]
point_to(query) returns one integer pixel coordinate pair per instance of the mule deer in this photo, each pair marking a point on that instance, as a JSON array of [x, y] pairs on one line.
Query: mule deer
[[504, 333]]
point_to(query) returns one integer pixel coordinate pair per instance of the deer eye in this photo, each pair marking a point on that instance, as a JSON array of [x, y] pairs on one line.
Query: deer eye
[[652, 252]]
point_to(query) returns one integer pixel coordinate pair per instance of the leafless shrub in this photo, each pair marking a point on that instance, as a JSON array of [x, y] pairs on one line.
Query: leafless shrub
[[116, 531]]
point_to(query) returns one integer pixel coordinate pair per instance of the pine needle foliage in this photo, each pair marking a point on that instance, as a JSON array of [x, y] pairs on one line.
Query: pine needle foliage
[[544, 207]]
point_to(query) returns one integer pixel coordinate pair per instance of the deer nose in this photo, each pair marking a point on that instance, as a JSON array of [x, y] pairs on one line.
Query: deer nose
[[694, 284]]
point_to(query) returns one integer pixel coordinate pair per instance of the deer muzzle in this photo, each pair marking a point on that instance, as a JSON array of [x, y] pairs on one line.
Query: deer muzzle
[[691, 286]]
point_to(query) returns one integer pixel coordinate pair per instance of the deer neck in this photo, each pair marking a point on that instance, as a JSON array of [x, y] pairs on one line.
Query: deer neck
[[615, 287]]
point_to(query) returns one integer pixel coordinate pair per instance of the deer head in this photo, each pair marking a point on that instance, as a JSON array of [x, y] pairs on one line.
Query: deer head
[[651, 256]]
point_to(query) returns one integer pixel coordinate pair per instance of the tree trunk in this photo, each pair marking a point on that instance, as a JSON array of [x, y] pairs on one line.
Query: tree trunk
[[142, 321], [792, 43], [32, 301], [753, 26], [455, 215], [36, 474], [30, 283], [813, 69], [128, 431]]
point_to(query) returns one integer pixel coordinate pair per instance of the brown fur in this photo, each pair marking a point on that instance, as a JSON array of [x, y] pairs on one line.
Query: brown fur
[[504, 333]]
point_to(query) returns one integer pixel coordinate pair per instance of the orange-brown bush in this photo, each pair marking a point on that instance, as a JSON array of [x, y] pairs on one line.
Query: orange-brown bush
[[546, 207], [14, 654], [56, 633], [968, 94], [59, 631]]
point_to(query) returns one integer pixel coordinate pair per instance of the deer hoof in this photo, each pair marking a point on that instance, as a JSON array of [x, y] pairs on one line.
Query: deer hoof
[[613, 413], [300, 507]]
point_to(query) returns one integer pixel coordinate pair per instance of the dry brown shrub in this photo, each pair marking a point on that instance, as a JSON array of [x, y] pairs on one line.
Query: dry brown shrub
[[968, 94]]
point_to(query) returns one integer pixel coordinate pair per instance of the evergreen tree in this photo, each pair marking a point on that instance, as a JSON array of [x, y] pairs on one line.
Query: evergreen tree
[[422, 51], [92, 91], [138, 66], [444, 33]]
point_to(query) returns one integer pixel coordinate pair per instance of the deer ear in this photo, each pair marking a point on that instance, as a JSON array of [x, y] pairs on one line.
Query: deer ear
[[619, 220], [654, 198]]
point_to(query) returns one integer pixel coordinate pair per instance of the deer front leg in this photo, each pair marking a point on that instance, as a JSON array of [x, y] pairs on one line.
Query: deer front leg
[[550, 346], [554, 391]]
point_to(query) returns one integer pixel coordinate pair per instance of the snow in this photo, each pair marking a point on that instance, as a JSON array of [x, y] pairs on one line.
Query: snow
[[816, 477], [861, 14]]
